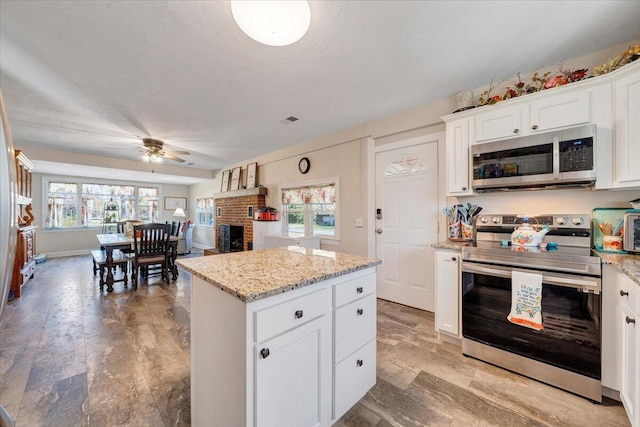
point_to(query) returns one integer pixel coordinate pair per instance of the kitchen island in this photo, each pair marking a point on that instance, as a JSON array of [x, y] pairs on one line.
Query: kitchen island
[[281, 336]]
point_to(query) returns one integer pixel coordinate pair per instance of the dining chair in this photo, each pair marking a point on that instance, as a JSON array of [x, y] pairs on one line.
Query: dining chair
[[151, 250]]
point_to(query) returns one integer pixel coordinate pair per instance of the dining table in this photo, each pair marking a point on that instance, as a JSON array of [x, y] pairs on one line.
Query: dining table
[[111, 241]]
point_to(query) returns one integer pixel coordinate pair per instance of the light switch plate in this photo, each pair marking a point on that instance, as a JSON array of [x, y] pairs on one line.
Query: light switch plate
[[359, 222]]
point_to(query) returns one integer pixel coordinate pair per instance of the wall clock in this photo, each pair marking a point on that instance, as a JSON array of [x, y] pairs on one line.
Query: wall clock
[[304, 164]]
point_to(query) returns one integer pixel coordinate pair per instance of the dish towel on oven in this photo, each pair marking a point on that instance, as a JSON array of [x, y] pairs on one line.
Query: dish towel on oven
[[526, 300]]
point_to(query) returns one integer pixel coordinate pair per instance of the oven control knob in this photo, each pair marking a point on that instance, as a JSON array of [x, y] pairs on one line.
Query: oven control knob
[[496, 219], [484, 220], [577, 220], [560, 220]]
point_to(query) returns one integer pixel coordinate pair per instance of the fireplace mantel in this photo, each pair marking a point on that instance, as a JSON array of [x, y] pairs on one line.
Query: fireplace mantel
[[257, 191]]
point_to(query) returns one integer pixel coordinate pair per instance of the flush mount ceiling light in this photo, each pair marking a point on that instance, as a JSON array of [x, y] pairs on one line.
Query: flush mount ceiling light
[[274, 23]]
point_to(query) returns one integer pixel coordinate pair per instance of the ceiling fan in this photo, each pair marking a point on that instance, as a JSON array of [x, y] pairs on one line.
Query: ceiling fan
[[154, 152]]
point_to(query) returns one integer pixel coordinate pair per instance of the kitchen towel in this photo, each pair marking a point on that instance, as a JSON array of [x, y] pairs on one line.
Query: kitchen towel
[[526, 300]]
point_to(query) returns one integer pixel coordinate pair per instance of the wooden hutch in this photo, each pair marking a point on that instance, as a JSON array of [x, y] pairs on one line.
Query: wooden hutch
[[25, 264]]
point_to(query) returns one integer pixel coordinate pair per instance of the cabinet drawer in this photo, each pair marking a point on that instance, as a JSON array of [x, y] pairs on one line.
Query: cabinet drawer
[[346, 292], [354, 325], [353, 377], [290, 314], [630, 293]]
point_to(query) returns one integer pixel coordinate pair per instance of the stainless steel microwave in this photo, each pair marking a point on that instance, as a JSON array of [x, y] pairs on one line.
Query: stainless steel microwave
[[549, 160], [631, 238]]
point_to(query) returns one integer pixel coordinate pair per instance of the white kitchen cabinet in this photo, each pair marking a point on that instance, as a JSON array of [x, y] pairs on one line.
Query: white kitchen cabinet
[[611, 327], [545, 113], [559, 111], [261, 229], [270, 362], [630, 320], [354, 341], [499, 123], [626, 93], [289, 369], [448, 292], [291, 239], [457, 158]]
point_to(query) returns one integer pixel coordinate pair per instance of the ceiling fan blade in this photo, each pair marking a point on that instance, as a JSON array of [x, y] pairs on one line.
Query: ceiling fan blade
[[179, 153], [170, 157]]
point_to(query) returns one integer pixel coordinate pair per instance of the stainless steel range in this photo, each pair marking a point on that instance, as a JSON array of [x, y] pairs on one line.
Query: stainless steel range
[[566, 352]]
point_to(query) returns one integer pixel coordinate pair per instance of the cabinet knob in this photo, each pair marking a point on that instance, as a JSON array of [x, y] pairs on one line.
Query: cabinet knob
[[630, 320], [534, 127], [359, 362], [359, 289], [516, 130], [264, 353], [623, 293], [464, 188], [299, 314], [454, 258], [359, 312]]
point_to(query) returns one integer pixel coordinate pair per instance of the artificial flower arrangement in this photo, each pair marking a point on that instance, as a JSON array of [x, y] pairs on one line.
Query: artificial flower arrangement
[[547, 80]]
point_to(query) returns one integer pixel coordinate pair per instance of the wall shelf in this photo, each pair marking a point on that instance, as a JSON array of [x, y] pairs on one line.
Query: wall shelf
[[257, 191]]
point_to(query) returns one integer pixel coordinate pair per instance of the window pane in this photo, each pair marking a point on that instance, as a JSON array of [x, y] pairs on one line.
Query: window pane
[[62, 205], [148, 204], [324, 222], [294, 217]]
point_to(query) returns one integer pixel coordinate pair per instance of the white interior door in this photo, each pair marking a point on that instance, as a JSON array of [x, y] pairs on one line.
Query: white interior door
[[407, 196]]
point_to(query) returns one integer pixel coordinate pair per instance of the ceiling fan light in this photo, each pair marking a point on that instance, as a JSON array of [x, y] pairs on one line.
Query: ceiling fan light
[[274, 23], [145, 158], [156, 158]]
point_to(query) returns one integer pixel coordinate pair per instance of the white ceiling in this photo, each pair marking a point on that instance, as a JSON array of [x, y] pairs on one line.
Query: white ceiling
[[95, 76]]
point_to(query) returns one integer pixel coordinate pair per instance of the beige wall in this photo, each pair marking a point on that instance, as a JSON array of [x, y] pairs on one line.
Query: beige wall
[[72, 242], [345, 155]]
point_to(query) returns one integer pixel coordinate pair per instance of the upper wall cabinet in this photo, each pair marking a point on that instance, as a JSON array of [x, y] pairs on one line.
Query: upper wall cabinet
[[538, 116], [457, 158], [626, 93]]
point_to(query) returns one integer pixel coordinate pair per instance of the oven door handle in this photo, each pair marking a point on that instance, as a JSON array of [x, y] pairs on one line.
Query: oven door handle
[[582, 282]]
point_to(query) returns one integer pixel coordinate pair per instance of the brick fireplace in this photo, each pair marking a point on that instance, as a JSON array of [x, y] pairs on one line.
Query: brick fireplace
[[233, 206]]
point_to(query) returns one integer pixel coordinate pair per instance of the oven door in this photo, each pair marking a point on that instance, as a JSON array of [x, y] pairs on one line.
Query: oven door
[[571, 307]]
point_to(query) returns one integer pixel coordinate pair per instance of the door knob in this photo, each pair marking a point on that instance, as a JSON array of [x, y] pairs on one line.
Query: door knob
[[379, 231]]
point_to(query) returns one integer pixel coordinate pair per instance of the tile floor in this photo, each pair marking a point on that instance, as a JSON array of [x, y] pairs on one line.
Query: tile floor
[[71, 356]]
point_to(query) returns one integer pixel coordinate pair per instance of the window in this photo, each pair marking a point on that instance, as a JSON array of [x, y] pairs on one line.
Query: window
[[311, 209], [204, 211], [62, 205], [148, 202], [82, 204]]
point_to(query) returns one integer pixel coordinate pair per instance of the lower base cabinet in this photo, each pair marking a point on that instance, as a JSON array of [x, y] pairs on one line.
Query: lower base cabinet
[[630, 320], [272, 362], [447, 316], [288, 378]]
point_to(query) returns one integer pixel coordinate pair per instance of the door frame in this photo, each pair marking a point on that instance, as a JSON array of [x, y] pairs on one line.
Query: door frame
[[372, 150]]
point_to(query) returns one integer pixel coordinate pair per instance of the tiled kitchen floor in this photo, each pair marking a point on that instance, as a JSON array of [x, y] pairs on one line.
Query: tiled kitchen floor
[[71, 356]]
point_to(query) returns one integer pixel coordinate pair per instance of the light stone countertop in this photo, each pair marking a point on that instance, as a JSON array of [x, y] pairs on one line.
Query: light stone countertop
[[448, 244], [253, 275], [627, 263]]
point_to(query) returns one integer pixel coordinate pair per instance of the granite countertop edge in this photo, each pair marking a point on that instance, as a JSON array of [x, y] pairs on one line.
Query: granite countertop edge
[[629, 264], [286, 287]]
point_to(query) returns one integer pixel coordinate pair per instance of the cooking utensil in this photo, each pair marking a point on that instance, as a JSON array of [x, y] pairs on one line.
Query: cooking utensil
[[618, 226]]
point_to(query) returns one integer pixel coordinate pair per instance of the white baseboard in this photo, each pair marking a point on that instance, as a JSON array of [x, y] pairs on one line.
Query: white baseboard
[[61, 254]]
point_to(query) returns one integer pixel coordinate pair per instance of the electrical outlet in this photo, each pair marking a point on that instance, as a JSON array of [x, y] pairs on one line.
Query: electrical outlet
[[359, 222]]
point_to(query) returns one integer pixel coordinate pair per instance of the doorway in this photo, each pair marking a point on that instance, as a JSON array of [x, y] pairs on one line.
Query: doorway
[[406, 224]]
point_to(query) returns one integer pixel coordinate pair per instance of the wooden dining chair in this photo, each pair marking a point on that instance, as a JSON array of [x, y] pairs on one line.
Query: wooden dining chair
[[151, 246]]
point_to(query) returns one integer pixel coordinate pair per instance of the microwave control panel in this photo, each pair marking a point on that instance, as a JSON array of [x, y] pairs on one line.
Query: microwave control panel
[[576, 155]]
